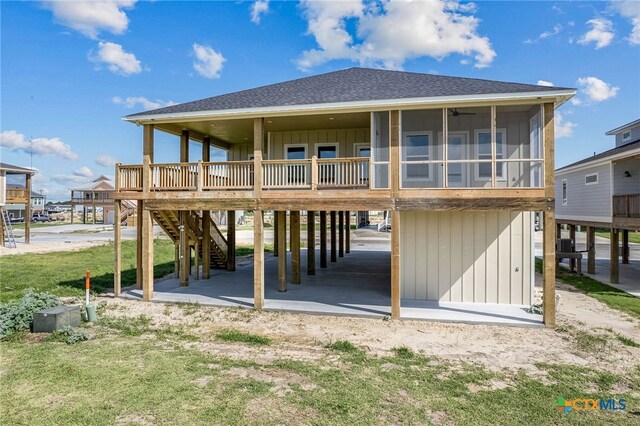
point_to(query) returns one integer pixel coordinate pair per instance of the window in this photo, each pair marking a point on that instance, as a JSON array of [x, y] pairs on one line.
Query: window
[[329, 150], [564, 192], [626, 136], [483, 152], [296, 173], [591, 179], [416, 148]]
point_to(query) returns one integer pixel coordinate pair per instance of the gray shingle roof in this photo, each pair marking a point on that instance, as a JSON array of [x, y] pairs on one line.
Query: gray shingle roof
[[10, 168], [353, 84], [618, 150]]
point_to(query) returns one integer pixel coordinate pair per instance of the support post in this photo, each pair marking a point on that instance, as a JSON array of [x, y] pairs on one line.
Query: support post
[[27, 211], [231, 240], [185, 251], [341, 234], [276, 252], [572, 236], [139, 244], [147, 236], [591, 246], [334, 256], [196, 261], [549, 233], [282, 250], [258, 260], [395, 264], [625, 246], [206, 244], [295, 246], [93, 208], [614, 242], [72, 208], [184, 146], [176, 260], [347, 232], [117, 247], [311, 243], [323, 239]]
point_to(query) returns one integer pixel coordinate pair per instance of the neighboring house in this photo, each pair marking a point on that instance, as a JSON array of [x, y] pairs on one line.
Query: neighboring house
[[603, 191], [15, 189], [18, 210], [98, 194], [461, 164]]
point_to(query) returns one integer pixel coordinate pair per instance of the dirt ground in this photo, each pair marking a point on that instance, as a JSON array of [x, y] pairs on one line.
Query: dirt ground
[[47, 247], [499, 348]]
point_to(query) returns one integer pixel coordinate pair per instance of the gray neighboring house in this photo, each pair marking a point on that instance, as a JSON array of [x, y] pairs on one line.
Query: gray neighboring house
[[18, 210], [603, 191]]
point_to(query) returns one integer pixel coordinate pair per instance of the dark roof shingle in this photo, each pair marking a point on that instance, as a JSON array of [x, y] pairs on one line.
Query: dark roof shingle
[[351, 85], [618, 150]]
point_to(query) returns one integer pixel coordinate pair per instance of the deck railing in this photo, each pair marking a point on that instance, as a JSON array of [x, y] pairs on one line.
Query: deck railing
[[232, 175], [626, 205]]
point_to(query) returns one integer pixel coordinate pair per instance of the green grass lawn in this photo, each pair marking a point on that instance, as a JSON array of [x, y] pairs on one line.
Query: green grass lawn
[[116, 378], [634, 237], [612, 297]]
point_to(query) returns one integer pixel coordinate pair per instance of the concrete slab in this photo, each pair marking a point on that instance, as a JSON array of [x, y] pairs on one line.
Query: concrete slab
[[356, 285]]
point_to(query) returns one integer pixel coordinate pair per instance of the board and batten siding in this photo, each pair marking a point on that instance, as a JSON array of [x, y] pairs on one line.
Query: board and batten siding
[[274, 149], [481, 257], [585, 202]]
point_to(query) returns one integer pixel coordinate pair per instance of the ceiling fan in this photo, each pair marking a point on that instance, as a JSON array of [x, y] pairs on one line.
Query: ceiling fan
[[455, 113]]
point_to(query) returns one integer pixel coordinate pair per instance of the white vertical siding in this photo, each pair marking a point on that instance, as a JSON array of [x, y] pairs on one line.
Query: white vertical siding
[[482, 257]]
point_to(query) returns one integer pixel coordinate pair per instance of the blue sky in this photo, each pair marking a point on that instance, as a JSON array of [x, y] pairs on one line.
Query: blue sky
[[71, 70]]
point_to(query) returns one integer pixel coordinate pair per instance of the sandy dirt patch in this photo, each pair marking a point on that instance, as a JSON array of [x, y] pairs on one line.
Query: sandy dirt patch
[[48, 247]]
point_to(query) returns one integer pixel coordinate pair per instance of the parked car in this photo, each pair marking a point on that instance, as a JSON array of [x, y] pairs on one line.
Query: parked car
[[40, 217], [14, 219]]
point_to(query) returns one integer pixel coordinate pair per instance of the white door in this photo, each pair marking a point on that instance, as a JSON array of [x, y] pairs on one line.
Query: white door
[[457, 150]]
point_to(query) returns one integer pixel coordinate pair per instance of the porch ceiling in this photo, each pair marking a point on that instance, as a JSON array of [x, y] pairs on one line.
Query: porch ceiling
[[241, 130]]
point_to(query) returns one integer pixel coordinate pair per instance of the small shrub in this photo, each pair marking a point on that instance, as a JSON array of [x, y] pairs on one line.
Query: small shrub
[[535, 309], [69, 336], [239, 336], [343, 346], [403, 352], [17, 316]]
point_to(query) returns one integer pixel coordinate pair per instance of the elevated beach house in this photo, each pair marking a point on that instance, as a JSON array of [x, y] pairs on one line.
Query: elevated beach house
[[603, 191], [462, 165], [15, 191]]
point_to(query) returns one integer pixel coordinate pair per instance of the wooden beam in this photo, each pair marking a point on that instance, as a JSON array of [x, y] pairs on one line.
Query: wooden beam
[[347, 232], [395, 264], [459, 204], [231, 240], [334, 257], [340, 234], [206, 149], [323, 239], [258, 141], [591, 246], [176, 260], [294, 226], [27, 211], [196, 261], [147, 255], [572, 237], [258, 260], [625, 246], [185, 251], [148, 141], [72, 208], [311, 242], [184, 146], [93, 208], [206, 244], [549, 232], [139, 244], [282, 250], [614, 270], [117, 249], [275, 234]]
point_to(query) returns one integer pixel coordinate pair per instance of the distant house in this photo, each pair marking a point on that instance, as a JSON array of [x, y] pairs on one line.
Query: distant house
[[18, 210], [15, 189], [98, 194], [462, 165], [603, 191]]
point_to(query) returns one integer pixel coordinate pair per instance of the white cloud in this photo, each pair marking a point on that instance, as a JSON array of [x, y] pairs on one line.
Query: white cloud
[[630, 9], [596, 89], [576, 101], [208, 62], [259, 8], [563, 129], [544, 83], [389, 33], [83, 171], [144, 103], [14, 141], [105, 160], [68, 180], [117, 60], [557, 29], [601, 33], [90, 17]]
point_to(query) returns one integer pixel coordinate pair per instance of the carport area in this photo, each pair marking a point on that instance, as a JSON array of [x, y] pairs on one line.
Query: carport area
[[356, 285]]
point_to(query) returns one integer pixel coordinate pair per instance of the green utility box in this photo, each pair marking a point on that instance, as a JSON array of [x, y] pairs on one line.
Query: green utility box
[[56, 318]]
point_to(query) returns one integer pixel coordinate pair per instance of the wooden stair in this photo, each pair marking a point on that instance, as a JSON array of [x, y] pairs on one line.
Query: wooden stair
[[169, 221]]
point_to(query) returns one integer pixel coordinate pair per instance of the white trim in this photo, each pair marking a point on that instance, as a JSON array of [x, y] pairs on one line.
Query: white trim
[[564, 192], [286, 147], [591, 183], [468, 148], [598, 162], [559, 97], [477, 177], [320, 144], [611, 179], [623, 127], [603, 219], [403, 161]]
